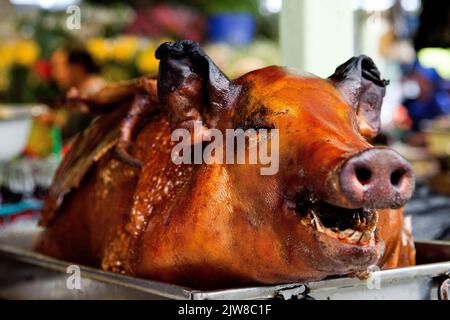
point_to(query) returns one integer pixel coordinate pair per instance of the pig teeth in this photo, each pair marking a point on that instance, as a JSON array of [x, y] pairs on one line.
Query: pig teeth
[[356, 236], [366, 237], [316, 221], [373, 222], [346, 233]]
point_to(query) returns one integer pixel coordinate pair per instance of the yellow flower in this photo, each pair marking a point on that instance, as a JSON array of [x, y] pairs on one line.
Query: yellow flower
[[7, 55], [146, 61], [99, 48], [125, 48], [26, 52]]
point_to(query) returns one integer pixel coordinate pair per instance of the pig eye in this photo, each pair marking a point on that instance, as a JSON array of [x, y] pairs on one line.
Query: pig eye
[[259, 119], [257, 126]]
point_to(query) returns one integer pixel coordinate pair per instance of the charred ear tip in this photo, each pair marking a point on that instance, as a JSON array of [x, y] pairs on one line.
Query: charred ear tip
[[365, 57], [369, 65], [365, 65], [176, 49]]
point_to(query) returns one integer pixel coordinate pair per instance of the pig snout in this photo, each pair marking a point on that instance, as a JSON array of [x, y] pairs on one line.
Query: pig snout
[[377, 178]]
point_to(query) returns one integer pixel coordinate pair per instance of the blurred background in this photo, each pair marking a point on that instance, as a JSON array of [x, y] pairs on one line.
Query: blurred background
[[49, 47]]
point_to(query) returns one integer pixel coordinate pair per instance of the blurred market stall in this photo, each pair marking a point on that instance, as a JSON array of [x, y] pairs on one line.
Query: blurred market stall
[[50, 49]]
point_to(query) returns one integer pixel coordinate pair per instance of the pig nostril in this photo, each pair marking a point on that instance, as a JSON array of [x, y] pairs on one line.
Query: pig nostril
[[396, 177], [363, 175]]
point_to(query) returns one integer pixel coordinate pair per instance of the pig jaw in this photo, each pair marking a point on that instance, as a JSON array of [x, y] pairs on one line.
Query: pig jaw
[[325, 248]]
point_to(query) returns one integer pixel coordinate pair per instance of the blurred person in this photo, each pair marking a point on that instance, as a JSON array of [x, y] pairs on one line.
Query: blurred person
[[75, 67], [74, 70], [427, 95]]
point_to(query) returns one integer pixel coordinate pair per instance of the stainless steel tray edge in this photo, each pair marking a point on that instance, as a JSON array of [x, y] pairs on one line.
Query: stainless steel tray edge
[[418, 282], [150, 287]]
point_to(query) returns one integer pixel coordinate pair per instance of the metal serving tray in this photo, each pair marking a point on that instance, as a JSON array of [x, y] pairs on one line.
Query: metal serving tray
[[25, 274]]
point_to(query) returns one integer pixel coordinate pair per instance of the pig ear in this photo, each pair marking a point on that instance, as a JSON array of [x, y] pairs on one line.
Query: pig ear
[[360, 84], [190, 85]]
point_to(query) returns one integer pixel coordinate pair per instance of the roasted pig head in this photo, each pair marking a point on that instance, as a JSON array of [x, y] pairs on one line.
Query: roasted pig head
[[331, 205]]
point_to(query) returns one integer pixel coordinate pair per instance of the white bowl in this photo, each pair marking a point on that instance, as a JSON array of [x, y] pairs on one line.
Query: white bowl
[[15, 124]]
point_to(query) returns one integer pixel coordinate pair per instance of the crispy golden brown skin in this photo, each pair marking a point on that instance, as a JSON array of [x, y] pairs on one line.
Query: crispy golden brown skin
[[215, 226]]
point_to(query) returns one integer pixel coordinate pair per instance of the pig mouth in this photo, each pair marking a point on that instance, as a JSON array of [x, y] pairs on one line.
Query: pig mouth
[[351, 226]]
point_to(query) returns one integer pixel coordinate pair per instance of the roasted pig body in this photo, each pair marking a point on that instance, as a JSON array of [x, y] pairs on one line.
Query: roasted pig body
[[121, 202]]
